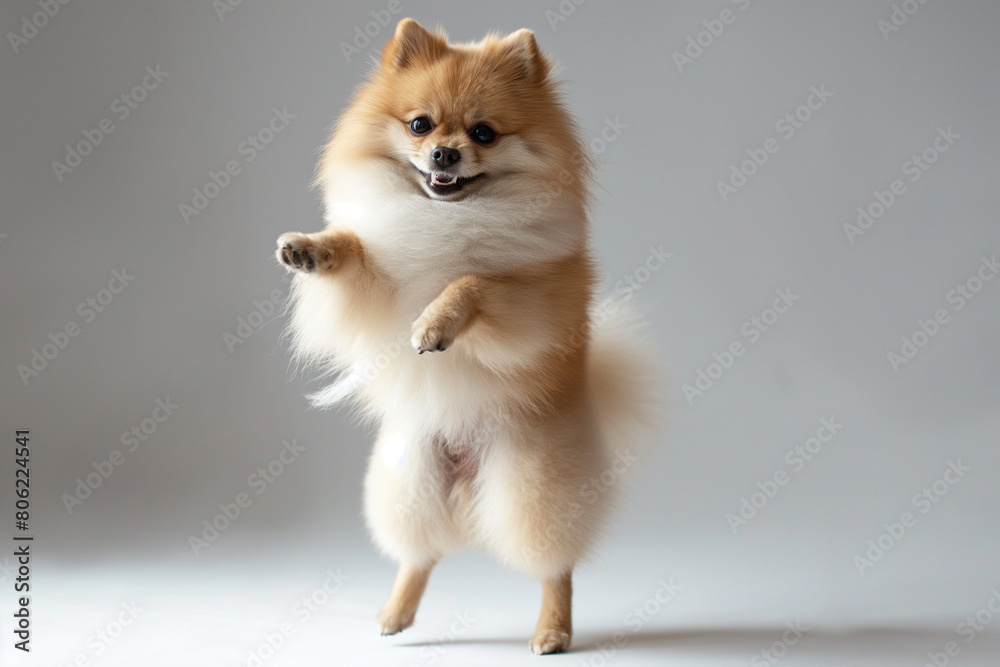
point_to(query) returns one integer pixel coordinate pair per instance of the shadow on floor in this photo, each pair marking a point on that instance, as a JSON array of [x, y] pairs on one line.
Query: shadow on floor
[[872, 641], [913, 642]]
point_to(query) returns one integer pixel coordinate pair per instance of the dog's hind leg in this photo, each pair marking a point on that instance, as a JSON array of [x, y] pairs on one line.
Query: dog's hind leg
[[555, 625], [398, 611]]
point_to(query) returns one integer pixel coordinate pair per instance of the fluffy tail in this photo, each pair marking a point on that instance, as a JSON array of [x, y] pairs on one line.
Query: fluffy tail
[[627, 381]]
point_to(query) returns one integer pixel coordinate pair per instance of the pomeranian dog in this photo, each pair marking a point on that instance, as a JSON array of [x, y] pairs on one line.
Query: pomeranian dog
[[456, 188]]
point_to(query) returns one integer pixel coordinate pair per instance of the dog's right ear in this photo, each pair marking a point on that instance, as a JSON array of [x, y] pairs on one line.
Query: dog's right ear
[[412, 43]]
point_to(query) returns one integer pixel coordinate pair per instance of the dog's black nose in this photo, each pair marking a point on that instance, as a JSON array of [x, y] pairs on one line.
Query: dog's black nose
[[444, 156]]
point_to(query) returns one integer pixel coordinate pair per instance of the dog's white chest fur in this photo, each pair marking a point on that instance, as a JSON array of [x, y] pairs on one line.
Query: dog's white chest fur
[[424, 244]]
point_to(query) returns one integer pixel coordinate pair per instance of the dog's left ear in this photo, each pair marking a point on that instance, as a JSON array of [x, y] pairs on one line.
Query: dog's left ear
[[521, 46]]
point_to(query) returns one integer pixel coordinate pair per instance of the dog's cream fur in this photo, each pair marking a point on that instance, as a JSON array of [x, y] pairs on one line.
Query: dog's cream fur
[[491, 439]]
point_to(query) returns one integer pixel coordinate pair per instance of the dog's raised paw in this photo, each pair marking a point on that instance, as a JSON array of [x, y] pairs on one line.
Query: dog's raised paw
[[432, 334], [549, 641], [300, 253]]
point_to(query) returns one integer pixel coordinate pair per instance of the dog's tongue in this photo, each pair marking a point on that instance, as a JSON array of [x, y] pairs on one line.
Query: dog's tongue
[[438, 178]]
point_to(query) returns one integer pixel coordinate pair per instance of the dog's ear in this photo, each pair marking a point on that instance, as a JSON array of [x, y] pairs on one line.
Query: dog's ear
[[522, 48], [412, 43]]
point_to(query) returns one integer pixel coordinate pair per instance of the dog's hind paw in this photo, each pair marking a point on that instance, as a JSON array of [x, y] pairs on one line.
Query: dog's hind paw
[[549, 641], [391, 621]]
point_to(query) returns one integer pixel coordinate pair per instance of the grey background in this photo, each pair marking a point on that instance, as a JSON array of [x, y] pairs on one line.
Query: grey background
[[163, 335]]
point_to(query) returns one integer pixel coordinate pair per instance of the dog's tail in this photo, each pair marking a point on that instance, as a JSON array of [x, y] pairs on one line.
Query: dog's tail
[[627, 380]]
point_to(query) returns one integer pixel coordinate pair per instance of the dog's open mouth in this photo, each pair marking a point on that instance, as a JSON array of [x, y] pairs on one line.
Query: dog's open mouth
[[442, 183]]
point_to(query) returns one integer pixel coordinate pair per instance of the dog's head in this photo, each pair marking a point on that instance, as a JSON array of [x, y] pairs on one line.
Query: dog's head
[[457, 118]]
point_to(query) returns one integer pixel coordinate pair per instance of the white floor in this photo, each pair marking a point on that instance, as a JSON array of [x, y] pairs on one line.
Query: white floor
[[634, 605]]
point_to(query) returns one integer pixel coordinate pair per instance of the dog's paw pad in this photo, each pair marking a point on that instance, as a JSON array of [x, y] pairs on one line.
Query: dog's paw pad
[[300, 253], [549, 641]]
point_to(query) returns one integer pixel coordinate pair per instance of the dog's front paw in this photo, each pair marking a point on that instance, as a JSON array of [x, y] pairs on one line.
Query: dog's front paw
[[432, 332], [301, 253], [549, 641]]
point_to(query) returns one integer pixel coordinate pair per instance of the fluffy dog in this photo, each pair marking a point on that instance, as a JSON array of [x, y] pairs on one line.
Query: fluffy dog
[[456, 188]]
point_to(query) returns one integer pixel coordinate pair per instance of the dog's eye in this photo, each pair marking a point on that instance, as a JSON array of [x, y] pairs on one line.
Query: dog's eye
[[420, 125], [483, 134]]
